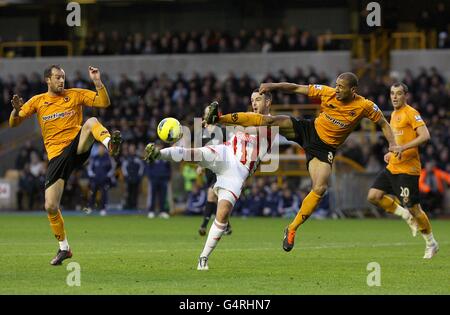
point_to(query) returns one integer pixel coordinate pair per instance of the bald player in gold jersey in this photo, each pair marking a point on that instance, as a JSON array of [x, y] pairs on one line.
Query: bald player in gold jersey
[[68, 141], [341, 111], [401, 176]]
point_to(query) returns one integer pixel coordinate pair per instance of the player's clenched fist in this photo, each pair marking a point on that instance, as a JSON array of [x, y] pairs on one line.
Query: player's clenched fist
[[94, 73]]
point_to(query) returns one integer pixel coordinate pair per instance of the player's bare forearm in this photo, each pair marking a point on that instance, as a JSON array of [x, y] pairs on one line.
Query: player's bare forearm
[[387, 131], [98, 84], [422, 137], [415, 143], [102, 98], [15, 119], [285, 87]]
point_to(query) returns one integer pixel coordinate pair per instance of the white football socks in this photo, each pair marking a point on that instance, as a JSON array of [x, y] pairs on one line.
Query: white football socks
[[175, 154], [106, 142], [214, 235], [429, 238], [64, 245], [402, 212]]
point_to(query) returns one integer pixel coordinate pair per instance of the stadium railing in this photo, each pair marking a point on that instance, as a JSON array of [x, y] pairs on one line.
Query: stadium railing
[[376, 47], [358, 42], [37, 45]]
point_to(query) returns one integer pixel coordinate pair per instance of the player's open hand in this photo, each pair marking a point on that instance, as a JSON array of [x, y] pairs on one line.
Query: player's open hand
[[94, 73], [17, 102]]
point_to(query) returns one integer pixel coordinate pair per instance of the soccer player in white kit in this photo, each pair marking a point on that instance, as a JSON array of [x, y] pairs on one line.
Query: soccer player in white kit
[[232, 162]]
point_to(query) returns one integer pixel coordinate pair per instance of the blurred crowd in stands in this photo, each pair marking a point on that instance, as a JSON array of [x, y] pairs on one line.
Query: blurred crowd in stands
[[101, 43], [138, 106], [208, 41]]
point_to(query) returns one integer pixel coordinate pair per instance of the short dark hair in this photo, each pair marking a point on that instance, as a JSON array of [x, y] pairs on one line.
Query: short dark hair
[[403, 85], [350, 77], [48, 70], [268, 95]]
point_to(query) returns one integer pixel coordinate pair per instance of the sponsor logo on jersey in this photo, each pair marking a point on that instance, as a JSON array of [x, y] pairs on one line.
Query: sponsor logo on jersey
[[66, 99], [335, 121], [58, 115]]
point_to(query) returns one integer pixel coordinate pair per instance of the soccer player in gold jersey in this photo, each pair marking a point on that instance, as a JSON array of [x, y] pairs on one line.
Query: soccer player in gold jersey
[[341, 111], [68, 141], [401, 176]]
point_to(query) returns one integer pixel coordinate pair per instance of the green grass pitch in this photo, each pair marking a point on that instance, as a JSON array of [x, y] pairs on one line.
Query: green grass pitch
[[135, 255]]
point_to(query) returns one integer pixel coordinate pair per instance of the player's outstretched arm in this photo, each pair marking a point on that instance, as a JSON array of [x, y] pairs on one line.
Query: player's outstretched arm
[[102, 97], [284, 87], [15, 119], [387, 132]]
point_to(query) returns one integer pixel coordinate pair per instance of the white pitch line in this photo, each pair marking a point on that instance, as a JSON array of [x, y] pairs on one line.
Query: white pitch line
[[336, 246]]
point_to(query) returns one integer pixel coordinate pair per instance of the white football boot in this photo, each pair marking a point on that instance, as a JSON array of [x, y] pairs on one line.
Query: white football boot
[[203, 263], [431, 250]]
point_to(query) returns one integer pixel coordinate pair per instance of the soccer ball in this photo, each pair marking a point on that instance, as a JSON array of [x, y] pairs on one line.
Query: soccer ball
[[169, 130]]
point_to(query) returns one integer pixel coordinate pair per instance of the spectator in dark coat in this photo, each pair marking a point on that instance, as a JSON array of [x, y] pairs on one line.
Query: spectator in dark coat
[[272, 200], [196, 200], [101, 178], [133, 170], [159, 177], [253, 203], [289, 204]]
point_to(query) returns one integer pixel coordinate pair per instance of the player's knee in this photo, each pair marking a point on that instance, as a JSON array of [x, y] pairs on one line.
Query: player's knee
[[320, 189], [51, 207], [374, 196], [222, 217], [90, 123]]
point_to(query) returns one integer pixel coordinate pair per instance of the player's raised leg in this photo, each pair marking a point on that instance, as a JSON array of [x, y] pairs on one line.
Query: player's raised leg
[[93, 130], [218, 228], [53, 196], [204, 156], [379, 198], [320, 173], [420, 216]]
